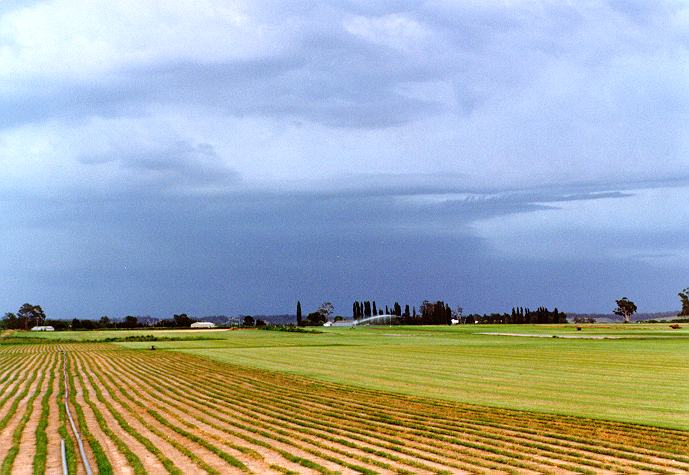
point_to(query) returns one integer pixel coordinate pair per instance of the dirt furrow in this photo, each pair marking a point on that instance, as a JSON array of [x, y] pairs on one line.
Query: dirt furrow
[[157, 433], [209, 409], [148, 459], [16, 407], [156, 396], [305, 435], [119, 463], [292, 419], [53, 458], [27, 445]]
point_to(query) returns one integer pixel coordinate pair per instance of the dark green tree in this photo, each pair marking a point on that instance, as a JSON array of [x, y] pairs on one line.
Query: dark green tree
[[249, 321], [129, 322], [182, 320], [30, 315], [397, 309], [316, 319], [10, 321], [299, 322], [326, 309], [684, 298], [625, 309]]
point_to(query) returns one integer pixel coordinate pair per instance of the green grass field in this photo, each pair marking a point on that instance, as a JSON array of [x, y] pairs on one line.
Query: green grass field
[[641, 377]]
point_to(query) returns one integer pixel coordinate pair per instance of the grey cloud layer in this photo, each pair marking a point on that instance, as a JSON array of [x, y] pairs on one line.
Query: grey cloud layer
[[224, 152], [525, 93]]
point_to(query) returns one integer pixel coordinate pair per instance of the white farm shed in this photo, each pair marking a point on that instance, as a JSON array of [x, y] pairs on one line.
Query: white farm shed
[[203, 325], [46, 328]]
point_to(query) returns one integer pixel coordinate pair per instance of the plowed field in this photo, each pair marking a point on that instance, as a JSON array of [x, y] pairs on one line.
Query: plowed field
[[163, 412]]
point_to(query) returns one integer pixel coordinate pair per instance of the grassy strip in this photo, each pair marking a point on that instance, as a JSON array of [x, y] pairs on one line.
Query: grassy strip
[[39, 342], [131, 457], [287, 328], [41, 454], [167, 463], [573, 421]]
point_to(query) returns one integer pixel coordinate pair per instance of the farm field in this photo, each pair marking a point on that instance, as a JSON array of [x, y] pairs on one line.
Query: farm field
[[143, 411], [642, 377]]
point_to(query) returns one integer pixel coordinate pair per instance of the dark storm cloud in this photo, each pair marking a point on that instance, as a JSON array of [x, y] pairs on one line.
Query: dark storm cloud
[[124, 254]]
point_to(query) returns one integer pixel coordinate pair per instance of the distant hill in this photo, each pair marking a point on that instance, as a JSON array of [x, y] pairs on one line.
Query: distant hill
[[610, 317], [224, 319]]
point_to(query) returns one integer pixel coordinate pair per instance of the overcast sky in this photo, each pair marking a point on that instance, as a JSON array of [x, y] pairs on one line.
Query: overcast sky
[[225, 157]]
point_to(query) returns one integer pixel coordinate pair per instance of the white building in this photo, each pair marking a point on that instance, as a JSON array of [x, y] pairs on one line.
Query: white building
[[46, 328], [203, 325]]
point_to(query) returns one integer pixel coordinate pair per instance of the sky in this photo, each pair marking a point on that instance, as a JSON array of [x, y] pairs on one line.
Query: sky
[[233, 157]]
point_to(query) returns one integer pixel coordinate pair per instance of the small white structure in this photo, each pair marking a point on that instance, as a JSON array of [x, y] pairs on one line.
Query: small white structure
[[328, 324], [454, 321], [203, 325], [46, 328]]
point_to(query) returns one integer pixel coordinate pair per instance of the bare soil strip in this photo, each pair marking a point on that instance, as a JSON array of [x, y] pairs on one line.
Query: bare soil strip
[[53, 460], [15, 409], [27, 445]]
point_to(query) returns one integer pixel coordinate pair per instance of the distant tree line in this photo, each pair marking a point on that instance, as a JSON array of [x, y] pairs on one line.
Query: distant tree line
[[315, 318], [684, 299], [26, 317], [29, 316], [249, 322], [519, 316], [440, 313], [430, 313]]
